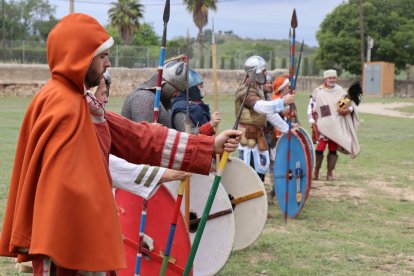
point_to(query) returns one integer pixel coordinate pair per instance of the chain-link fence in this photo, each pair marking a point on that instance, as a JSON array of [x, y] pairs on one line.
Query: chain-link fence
[[31, 52]]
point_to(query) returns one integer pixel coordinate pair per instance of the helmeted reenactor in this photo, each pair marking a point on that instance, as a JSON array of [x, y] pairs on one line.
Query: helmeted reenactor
[[139, 105], [200, 119], [257, 111]]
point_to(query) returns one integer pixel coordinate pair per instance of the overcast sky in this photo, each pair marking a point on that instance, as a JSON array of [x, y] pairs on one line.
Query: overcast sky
[[247, 18]]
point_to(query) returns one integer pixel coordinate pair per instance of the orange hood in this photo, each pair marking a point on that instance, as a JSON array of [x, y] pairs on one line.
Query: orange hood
[[60, 201], [72, 44]]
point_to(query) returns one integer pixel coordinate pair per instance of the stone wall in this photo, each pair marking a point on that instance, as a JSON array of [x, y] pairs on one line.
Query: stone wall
[[24, 80]]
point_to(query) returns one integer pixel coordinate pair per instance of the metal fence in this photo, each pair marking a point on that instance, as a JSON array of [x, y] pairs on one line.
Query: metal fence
[[33, 52]]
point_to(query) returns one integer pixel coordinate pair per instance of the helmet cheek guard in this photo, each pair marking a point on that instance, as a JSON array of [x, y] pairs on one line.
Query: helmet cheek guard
[[167, 91]]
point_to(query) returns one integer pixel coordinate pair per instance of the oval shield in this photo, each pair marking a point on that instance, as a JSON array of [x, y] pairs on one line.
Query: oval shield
[[296, 189], [159, 213], [249, 199], [218, 237]]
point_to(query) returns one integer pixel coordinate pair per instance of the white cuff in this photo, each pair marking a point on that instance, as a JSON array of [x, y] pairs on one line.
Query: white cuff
[[141, 180]]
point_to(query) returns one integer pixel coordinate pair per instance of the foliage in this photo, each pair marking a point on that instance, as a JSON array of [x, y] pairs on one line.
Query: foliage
[[306, 69], [389, 23], [284, 63], [126, 16], [28, 19], [145, 36], [44, 27], [199, 9]]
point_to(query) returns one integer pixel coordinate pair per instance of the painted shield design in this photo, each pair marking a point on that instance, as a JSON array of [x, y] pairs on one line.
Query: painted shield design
[[218, 237], [249, 199], [158, 221], [309, 154], [310, 144], [297, 188]]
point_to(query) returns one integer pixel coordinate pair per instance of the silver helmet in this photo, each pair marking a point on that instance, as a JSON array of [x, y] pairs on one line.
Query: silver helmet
[[175, 73], [256, 65], [194, 78]]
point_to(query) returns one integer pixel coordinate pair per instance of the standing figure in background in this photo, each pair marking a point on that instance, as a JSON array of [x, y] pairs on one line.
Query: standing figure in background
[[253, 149], [336, 123], [200, 119]]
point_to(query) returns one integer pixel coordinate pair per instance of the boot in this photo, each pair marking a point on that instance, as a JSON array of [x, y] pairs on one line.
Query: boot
[[318, 164], [332, 158]]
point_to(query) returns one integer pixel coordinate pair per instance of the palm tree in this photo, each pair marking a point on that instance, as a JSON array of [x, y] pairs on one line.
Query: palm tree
[[200, 8], [126, 15]]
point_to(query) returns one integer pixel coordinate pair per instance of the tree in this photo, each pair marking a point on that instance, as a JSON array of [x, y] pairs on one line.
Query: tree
[[43, 28], [146, 36], [314, 68], [199, 8], [305, 70], [232, 63], [126, 16], [273, 63], [284, 63], [27, 19], [390, 23]]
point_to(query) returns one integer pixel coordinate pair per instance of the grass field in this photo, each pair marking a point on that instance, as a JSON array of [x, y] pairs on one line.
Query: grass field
[[361, 224]]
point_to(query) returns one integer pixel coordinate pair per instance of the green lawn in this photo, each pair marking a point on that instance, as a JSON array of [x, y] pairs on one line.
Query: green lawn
[[361, 224]]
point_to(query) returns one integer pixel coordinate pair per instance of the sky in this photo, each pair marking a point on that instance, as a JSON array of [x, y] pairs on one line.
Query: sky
[[269, 19]]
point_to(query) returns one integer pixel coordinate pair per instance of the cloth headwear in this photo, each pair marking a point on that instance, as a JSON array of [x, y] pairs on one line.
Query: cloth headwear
[[329, 73], [280, 83]]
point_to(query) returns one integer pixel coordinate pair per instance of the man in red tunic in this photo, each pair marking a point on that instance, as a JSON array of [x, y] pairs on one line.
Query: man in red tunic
[[60, 210]]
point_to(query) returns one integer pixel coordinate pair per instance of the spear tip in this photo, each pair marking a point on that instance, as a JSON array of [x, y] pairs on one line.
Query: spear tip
[[166, 15], [294, 21]]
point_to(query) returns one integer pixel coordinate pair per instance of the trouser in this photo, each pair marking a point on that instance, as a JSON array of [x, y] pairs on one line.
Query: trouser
[[323, 142]]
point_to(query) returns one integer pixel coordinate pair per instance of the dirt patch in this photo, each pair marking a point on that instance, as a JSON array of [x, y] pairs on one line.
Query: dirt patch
[[401, 194], [337, 191], [388, 109]]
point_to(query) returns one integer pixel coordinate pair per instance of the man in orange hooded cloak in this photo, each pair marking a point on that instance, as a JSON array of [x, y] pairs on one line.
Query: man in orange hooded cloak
[[60, 206]]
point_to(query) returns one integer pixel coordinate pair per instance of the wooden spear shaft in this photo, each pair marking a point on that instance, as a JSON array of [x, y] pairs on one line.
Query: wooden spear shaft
[[213, 191], [214, 61]]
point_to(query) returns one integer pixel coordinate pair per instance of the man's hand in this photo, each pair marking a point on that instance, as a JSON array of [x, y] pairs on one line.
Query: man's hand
[[289, 99], [286, 112], [227, 140], [215, 119], [344, 110], [172, 175]]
